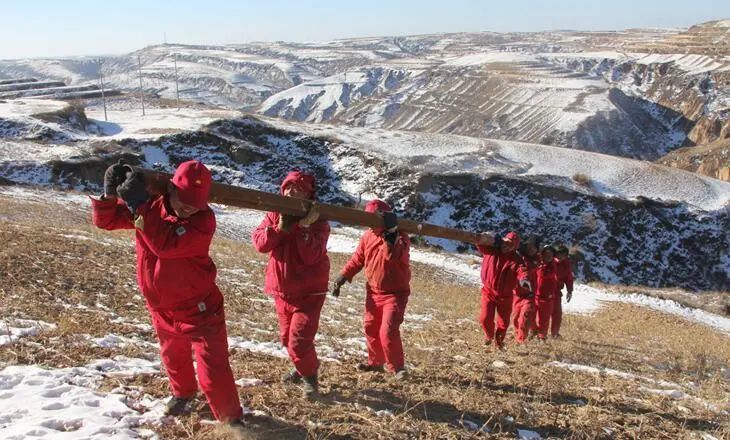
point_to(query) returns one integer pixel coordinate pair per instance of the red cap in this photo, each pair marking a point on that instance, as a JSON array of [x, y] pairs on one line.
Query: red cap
[[193, 180], [306, 181], [513, 237], [377, 205]]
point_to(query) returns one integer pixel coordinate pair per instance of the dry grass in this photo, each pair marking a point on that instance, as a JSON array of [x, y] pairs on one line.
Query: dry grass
[[48, 272], [582, 179]]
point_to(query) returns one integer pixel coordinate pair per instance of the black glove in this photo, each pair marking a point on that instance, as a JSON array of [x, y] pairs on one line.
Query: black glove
[[114, 176], [390, 221], [391, 237], [497, 241], [286, 222], [133, 191], [337, 284]]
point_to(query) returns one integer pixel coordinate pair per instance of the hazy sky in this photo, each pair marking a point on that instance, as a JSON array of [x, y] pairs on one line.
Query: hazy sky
[[73, 27]]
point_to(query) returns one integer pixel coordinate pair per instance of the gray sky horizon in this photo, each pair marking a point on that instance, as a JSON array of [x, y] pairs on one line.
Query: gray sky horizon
[[77, 28]]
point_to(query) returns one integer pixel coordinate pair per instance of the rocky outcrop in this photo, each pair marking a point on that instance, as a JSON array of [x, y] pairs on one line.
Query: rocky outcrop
[[711, 160]]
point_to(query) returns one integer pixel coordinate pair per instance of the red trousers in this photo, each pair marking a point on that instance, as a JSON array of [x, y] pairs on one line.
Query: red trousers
[[298, 325], [383, 317], [523, 317], [184, 332], [502, 305], [557, 315], [544, 313]]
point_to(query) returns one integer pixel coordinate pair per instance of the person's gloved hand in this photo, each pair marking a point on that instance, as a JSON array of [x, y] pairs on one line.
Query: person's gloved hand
[[114, 176], [497, 241], [337, 285], [311, 217], [286, 222], [391, 237], [525, 284], [133, 191], [390, 221], [569, 296]]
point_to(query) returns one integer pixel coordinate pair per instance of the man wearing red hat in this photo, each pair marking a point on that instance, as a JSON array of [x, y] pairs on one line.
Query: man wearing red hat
[[565, 279], [177, 278], [502, 270], [384, 253], [547, 283], [523, 305], [297, 277]]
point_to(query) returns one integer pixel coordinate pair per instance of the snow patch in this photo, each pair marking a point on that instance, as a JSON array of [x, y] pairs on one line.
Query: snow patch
[[65, 404], [12, 329]]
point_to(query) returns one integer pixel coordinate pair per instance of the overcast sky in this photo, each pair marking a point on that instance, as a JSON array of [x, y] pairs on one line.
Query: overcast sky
[[47, 28]]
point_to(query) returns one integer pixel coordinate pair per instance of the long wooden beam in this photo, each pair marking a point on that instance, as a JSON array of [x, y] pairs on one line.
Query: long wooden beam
[[157, 183]]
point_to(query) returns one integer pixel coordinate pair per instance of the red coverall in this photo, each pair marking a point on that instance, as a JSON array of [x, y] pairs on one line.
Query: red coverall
[[177, 278], [499, 278], [547, 282], [565, 279], [297, 276], [523, 315], [388, 272]]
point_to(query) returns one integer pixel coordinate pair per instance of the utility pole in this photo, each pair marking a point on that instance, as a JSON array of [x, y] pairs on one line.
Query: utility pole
[[101, 79], [141, 92], [177, 87]]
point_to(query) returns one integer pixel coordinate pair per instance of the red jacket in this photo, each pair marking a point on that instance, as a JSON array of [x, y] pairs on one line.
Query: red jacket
[[174, 268], [547, 280], [500, 272], [530, 271], [387, 268], [565, 276], [298, 260]]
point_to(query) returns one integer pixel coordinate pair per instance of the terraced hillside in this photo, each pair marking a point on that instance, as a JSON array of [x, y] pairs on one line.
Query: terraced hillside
[[596, 91]]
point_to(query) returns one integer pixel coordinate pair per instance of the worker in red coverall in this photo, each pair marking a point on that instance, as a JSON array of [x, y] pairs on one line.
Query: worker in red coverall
[[384, 253], [502, 270], [297, 277], [523, 306], [547, 283], [177, 278], [565, 279]]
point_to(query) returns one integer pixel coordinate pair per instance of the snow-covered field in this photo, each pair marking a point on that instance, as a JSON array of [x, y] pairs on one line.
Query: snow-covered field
[[131, 124]]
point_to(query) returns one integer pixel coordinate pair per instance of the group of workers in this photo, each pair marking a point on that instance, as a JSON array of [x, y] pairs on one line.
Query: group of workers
[[176, 275]]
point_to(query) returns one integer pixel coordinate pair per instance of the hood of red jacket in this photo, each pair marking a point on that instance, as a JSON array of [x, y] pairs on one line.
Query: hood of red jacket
[[307, 181], [513, 237], [377, 205], [193, 181]]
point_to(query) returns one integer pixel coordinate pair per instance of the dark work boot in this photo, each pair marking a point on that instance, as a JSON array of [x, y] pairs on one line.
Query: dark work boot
[[310, 387], [292, 377], [370, 368], [178, 406]]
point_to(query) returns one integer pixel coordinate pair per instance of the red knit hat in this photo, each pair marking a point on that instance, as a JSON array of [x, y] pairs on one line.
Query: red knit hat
[[377, 205], [193, 181]]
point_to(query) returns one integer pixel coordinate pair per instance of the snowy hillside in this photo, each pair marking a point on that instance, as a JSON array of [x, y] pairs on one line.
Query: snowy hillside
[[444, 154], [588, 101]]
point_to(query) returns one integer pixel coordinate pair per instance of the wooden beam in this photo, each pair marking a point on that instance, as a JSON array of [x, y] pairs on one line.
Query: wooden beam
[[157, 183]]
